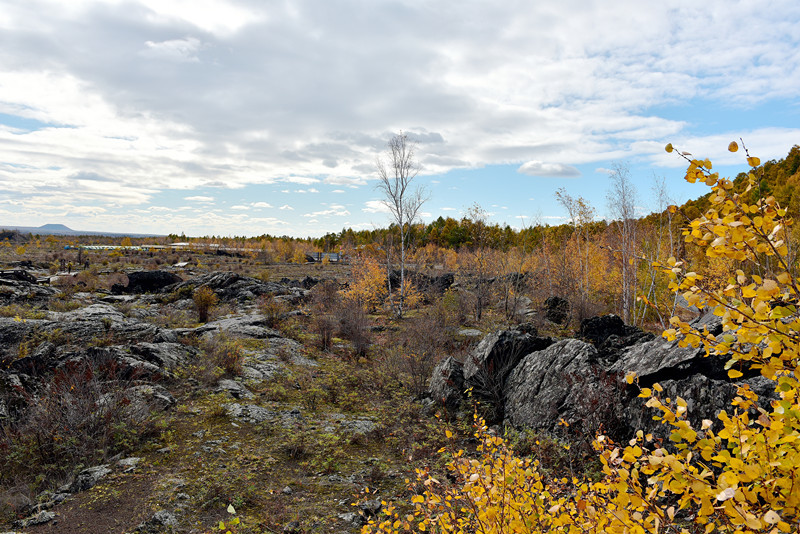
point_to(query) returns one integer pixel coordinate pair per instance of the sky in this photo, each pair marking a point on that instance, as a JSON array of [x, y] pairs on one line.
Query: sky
[[246, 117]]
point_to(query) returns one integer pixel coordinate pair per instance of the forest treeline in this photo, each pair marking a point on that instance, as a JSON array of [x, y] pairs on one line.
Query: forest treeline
[[598, 266]]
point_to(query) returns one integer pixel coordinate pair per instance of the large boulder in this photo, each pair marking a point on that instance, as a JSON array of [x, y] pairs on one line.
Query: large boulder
[[598, 329], [147, 282], [230, 286], [254, 326], [446, 386], [488, 366], [571, 380], [20, 287], [490, 363], [427, 284], [556, 310], [559, 383]]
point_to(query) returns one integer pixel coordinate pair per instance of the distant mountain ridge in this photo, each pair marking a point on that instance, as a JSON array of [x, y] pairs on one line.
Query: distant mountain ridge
[[60, 229]]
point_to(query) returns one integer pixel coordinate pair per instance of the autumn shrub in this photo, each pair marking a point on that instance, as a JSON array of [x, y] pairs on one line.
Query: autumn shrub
[[367, 285], [88, 280], [353, 324], [453, 308], [274, 311], [204, 299], [325, 302], [738, 474], [63, 305], [221, 355], [425, 340], [22, 312], [82, 416]]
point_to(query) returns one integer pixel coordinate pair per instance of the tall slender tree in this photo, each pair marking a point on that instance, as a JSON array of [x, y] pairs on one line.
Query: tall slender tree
[[397, 170], [622, 207]]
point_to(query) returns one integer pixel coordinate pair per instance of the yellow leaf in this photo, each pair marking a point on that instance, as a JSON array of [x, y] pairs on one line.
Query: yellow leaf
[[772, 517], [726, 494], [733, 373], [753, 161], [669, 148], [733, 147]]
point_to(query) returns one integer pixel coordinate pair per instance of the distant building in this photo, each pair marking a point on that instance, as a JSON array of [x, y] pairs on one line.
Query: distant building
[[333, 257]]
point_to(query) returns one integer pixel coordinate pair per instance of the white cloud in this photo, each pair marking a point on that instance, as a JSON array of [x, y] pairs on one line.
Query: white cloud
[[183, 95], [199, 198], [286, 207], [174, 50], [350, 181], [554, 170], [302, 180], [375, 206], [240, 208], [334, 210], [338, 191], [261, 205], [217, 16]]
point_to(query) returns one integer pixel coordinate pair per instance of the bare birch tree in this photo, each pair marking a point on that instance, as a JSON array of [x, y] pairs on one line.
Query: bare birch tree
[[622, 208], [397, 171]]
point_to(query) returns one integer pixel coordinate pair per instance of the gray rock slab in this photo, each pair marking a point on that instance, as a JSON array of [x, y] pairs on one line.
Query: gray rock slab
[[257, 414]]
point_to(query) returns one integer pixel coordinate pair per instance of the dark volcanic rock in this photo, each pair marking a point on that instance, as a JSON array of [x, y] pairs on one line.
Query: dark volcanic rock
[[542, 389], [230, 286], [597, 329], [428, 284], [149, 281], [490, 363], [556, 310], [447, 383], [18, 286], [160, 522], [164, 355], [571, 380]]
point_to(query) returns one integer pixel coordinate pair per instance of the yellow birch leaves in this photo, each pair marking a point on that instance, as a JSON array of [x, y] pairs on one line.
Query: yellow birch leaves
[[739, 474]]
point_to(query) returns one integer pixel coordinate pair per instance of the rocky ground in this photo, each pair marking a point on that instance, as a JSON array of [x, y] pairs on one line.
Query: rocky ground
[[121, 413], [231, 412]]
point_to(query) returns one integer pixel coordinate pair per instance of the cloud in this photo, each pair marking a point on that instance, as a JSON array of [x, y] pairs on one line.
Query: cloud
[[261, 205], [240, 208], [375, 206], [351, 181], [302, 180], [334, 210], [182, 95], [178, 50], [199, 198], [555, 170], [286, 207]]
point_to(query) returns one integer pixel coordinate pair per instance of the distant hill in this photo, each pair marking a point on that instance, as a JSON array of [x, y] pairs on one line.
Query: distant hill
[[60, 229]]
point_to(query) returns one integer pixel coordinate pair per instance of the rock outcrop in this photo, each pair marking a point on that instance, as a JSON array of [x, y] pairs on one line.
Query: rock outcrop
[[230, 286], [20, 287], [542, 384]]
